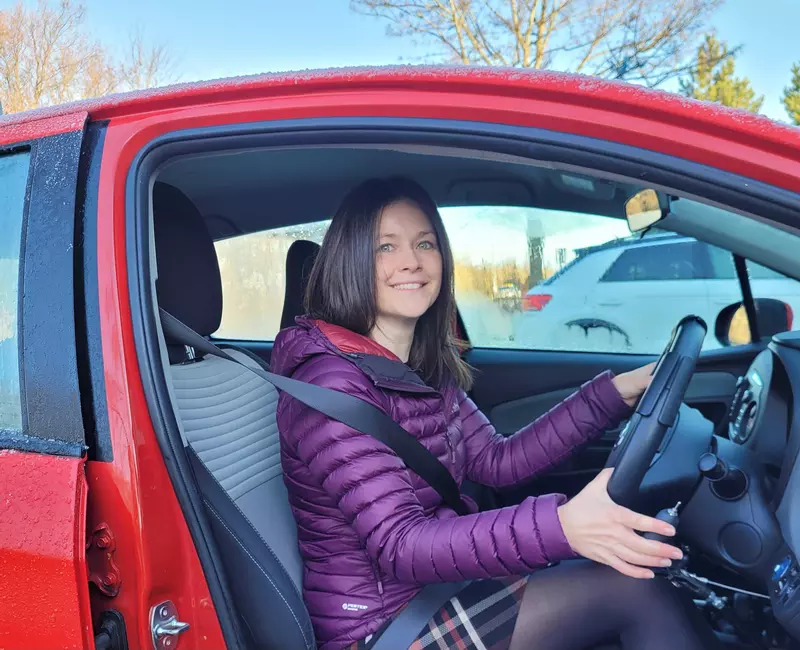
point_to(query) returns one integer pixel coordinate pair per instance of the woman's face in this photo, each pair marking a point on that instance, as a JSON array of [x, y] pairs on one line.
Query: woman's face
[[408, 263]]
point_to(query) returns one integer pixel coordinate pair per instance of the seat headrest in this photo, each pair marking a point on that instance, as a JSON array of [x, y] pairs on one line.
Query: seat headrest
[[299, 261], [189, 285]]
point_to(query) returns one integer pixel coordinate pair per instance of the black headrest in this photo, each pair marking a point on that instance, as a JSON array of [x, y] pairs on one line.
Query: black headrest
[[189, 285], [299, 262]]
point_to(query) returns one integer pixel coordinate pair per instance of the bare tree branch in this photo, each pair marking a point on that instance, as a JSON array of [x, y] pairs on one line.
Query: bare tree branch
[[47, 56], [648, 41], [146, 66]]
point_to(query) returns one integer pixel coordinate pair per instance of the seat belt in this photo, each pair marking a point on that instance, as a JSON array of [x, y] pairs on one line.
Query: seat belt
[[406, 625], [347, 409]]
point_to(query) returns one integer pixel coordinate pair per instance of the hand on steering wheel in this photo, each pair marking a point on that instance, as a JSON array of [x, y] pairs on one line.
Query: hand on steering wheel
[[596, 522], [600, 530], [630, 385]]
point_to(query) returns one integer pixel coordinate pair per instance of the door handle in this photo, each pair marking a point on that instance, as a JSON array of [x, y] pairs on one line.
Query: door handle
[[610, 303]]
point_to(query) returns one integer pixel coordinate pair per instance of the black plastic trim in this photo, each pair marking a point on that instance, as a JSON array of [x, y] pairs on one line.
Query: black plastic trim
[[660, 171], [740, 265], [52, 418], [87, 299]]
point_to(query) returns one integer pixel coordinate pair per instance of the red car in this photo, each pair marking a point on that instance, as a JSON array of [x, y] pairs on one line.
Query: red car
[[141, 499]]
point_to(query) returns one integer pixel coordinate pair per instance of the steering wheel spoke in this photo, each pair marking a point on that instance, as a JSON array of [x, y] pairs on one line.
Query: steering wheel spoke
[[656, 411]]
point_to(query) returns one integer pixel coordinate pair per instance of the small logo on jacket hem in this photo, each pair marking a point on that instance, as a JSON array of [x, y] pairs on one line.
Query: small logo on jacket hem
[[354, 607]]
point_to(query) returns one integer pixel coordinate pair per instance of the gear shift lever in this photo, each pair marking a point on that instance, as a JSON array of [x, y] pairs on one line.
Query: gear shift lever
[[670, 515]]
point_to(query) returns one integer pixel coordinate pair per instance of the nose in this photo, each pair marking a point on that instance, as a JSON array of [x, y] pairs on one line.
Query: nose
[[410, 260]]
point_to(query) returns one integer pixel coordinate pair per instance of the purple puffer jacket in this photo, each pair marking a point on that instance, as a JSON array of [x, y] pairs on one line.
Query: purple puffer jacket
[[371, 532]]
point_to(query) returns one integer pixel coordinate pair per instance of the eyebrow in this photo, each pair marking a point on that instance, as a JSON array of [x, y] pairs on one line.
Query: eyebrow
[[421, 233]]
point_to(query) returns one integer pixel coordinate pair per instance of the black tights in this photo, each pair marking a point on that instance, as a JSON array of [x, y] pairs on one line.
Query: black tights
[[579, 605]]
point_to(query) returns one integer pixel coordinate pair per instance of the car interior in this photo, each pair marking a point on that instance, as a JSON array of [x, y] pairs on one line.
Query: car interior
[[728, 454]]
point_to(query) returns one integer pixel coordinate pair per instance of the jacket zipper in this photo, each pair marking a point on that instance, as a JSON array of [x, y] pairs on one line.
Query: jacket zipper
[[378, 580]]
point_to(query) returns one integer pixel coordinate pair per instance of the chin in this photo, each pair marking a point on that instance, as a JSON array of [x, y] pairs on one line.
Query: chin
[[411, 315]]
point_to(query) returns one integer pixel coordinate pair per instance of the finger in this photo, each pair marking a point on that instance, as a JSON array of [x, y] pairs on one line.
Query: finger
[[641, 559], [627, 569], [644, 546], [643, 523], [603, 477]]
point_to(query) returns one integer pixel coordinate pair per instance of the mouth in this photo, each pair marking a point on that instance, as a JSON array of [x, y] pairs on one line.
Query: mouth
[[409, 286]]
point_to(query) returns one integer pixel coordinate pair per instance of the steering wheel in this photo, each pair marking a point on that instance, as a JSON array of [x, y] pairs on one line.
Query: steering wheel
[[656, 411]]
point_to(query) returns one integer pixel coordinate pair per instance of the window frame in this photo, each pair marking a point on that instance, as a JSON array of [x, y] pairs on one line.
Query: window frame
[[46, 297], [7, 435]]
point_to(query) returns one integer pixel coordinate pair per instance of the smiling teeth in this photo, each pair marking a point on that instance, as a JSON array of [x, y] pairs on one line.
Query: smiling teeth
[[413, 285]]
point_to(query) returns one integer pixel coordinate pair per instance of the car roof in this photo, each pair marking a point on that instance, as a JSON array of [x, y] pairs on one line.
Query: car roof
[[568, 88], [658, 239]]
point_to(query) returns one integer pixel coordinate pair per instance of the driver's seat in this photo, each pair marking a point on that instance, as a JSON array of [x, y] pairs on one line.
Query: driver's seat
[[227, 419]]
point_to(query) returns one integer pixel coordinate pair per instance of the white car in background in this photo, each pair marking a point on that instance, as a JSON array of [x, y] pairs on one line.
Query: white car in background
[[597, 301]]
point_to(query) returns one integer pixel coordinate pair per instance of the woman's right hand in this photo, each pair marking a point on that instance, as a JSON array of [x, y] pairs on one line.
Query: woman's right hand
[[600, 530]]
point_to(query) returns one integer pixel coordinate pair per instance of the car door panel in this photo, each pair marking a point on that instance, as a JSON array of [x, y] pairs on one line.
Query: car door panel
[[508, 417], [513, 388]]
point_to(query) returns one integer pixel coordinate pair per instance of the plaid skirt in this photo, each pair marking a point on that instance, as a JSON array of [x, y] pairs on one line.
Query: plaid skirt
[[482, 615]]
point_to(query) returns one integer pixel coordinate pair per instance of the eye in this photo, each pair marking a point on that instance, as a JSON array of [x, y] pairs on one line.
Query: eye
[[385, 248], [427, 245]]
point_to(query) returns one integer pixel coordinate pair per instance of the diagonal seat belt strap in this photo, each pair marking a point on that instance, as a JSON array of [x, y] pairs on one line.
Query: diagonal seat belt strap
[[347, 409]]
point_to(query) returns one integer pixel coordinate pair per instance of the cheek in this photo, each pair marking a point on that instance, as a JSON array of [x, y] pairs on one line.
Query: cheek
[[436, 268], [382, 274], [382, 270]]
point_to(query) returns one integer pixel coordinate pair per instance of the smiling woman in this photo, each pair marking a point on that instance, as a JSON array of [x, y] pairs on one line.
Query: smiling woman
[[385, 270], [381, 310]]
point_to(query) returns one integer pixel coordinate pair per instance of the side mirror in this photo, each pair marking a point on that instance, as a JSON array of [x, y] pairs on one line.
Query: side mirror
[[733, 328], [644, 209]]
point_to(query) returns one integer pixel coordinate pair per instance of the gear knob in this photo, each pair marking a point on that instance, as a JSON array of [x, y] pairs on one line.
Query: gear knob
[[670, 515], [712, 467]]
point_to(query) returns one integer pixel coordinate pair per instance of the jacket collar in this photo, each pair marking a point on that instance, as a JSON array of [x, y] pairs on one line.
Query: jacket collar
[[382, 366]]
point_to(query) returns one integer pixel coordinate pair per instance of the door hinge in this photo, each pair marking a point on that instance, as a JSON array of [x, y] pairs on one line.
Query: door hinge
[[103, 571], [165, 626]]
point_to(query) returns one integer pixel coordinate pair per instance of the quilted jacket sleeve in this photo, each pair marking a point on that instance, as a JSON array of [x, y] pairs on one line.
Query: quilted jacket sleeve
[[371, 486], [499, 461]]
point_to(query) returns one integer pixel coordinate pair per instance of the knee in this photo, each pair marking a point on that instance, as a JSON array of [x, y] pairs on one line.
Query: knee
[[657, 592]]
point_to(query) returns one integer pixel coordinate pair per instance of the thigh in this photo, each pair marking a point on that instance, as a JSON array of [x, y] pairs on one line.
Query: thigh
[[568, 606], [580, 604]]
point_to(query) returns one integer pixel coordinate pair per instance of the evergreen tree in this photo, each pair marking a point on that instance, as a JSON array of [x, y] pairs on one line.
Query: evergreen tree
[[791, 96], [714, 78]]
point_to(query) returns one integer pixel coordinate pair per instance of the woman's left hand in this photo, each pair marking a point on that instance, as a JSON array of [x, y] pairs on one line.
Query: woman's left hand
[[631, 385]]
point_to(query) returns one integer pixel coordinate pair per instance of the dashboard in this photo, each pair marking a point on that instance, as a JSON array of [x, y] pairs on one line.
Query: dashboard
[[744, 511]]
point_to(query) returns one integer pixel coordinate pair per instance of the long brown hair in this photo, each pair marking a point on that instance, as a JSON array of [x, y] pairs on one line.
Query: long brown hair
[[341, 287]]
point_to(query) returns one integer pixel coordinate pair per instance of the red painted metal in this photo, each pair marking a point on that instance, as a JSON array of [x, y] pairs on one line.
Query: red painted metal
[[18, 130], [608, 110], [134, 494], [44, 601]]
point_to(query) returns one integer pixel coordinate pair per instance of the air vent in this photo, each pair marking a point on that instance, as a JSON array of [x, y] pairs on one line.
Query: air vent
[[744, 409]]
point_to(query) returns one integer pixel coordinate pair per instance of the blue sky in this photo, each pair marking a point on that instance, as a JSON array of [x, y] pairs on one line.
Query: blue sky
[[215, 39]]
